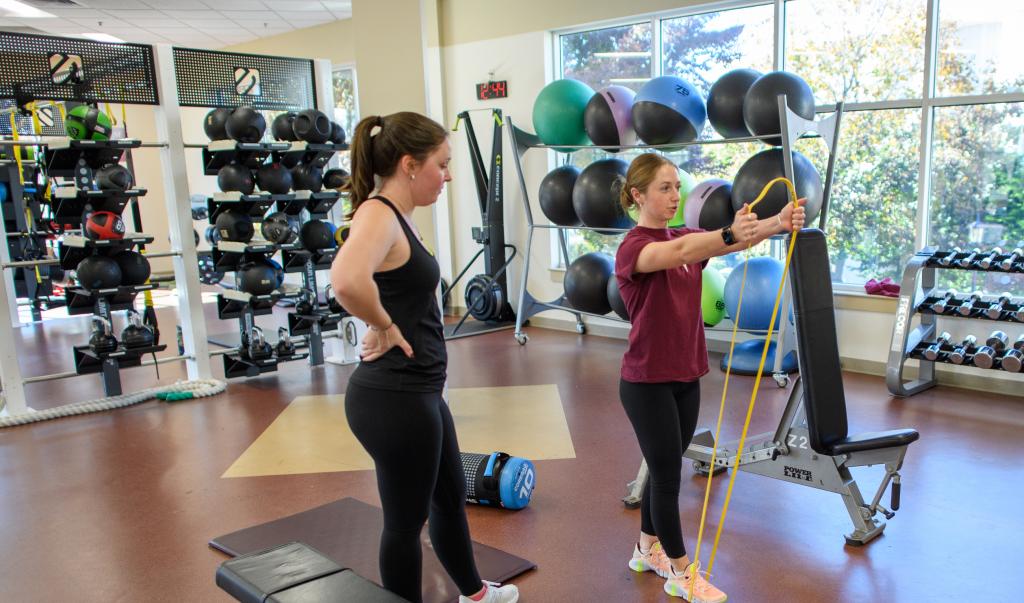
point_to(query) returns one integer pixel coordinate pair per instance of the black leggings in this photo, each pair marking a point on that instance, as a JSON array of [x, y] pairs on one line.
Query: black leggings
[[411, 438], [664, 417]]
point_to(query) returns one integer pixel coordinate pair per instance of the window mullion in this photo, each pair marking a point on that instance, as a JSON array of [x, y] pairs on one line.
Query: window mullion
[[924, 179]]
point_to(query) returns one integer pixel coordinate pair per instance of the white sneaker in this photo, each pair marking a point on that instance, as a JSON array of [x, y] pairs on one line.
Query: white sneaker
[[496, 594]]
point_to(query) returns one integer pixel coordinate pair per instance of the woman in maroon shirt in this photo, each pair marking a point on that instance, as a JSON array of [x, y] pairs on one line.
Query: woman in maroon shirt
[[658, 270]]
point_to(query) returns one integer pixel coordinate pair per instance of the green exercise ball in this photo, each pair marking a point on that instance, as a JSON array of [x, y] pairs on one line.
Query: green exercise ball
[[87, 123], [712, 296], [558, 114], [686, 184]]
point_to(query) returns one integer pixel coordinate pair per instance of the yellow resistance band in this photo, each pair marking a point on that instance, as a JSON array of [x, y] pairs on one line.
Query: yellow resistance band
[[753, 397]]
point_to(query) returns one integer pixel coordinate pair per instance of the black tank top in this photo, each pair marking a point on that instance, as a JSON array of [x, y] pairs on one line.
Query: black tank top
[[408, 294]]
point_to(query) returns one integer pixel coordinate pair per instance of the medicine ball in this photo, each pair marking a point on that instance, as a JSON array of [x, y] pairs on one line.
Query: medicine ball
[[277, 268], [709, 205], [595, 196], [308, 177], [615, 298], [274, 178], [87, 123], [234, 225], [103, 226], [98, 272], [586, 282], [312, 126], [257, 278], [236, 178], [134, 267], [556, 195], [766, 166], [608, 117], [245, 124], [335, 178], [278, 228], [113, 177], [337, 133], [341, 235], [558, 113], [668, 109], [215, 122], [316, 235], [725, 102], [281, 127], [761, 105]]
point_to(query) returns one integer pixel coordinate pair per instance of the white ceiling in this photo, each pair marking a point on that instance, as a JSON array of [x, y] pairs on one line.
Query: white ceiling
[[193, 23]]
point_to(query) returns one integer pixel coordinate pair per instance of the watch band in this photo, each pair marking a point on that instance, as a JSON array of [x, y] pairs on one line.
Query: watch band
[[727, 236]]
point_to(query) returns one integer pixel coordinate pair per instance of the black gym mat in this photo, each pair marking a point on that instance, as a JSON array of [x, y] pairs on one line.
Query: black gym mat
[[348, 532]]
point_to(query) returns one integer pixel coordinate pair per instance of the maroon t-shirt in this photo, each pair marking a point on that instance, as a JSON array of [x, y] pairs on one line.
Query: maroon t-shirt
[[666, 341]]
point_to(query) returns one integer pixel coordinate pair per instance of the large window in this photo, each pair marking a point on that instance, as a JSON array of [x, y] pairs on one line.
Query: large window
[[874, 56]]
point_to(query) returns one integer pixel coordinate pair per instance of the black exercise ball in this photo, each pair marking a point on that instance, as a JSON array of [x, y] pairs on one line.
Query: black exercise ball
[[98, 272], [316, 235], [281, 127], [257, 278], [274, 178], [236, 178], [766, 166], [586, 282], [595, 196], [556, 195], [312, 126], [709, 205], [308, 177], [761, 105], [113, 177], [234, 225], [215, 122], [278, 228], [615, 299], [725, 102], [134, 267], [337, 133], [335, 178], [246, 124]]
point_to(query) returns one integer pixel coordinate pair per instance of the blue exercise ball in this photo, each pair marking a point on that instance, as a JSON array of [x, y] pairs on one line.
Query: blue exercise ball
[[668, 110], [763, 277]]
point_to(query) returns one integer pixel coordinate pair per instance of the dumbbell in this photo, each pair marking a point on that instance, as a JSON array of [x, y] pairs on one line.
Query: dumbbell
[[948, 259], [1014, 357], [986, 262], [933, 351], [985, 356], [1010, 260], [965, 262], [967, 307], [259, 348], [285, 346], [959, 353], [945, 302], [996, 308]]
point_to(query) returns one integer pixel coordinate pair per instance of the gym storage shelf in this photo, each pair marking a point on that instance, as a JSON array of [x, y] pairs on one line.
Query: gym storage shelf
[[295, 259], [73, 249], [69, 204], [1010, 311], [219, 153], [228, 256], [317, 204], [302, 324], [254, 205], [89, 362], [317, 154], [62, 156], [951, 260], [80, 300], [968, 357], [233, 304]]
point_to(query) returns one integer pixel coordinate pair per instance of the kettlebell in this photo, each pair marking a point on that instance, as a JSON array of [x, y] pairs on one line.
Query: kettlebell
[[259, 349], [304, 307], [285, 346], [332, 302], [136, 334], [102, 340]]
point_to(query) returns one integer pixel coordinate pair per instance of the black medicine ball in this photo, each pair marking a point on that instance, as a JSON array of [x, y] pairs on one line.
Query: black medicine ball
[[312, 126], [236, 226], [316, 235], [307, 177], [274, 178], [277, 228], [335, 178], [135, 269], [337, 133], [246, 124], [281, 128], [214, 123], [236, 178], [98, 272], [113, 177]]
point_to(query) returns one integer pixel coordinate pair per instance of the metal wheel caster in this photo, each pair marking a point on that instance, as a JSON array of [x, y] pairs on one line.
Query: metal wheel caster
[[522, 338], [781, 379], [581, 328]]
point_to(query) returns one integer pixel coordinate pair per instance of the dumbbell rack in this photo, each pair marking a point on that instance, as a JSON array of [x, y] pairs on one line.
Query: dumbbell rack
[[918, 295]]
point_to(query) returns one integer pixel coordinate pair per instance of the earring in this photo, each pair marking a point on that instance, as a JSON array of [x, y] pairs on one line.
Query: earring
[[412, 176]]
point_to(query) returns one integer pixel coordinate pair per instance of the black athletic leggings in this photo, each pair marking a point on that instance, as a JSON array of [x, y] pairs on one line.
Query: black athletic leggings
[[411, 438], [664, 417]]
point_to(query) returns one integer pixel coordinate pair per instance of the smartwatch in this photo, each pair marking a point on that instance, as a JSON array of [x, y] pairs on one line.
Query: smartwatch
[[727, 236]]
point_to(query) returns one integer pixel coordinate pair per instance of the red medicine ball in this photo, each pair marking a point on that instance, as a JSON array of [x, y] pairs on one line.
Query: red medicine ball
[[103, 225]]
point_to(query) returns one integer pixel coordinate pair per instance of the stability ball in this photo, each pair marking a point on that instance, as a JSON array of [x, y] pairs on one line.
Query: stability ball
[[761, 105], [709, 205], [615, 299], [556, 195], [725, 102], [667, 110], [764, 167], [763, 277], [558, 113], [712, 296], [608, 117], [586, 282], [595, 197]]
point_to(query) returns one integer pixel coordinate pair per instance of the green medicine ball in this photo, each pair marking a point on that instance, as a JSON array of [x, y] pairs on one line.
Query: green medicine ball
[[712, 296], [558, 113], [87, 123]]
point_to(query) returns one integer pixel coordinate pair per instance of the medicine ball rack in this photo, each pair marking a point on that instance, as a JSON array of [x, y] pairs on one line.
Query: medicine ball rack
[[793, 128], [919, 295]]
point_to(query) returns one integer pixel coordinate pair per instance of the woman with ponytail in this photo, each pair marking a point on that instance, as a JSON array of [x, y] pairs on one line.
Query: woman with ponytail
[[386, 276]]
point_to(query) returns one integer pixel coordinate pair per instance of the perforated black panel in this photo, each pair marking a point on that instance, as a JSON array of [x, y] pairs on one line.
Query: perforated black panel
[[50, 68], [49, 121], [208, 78]]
